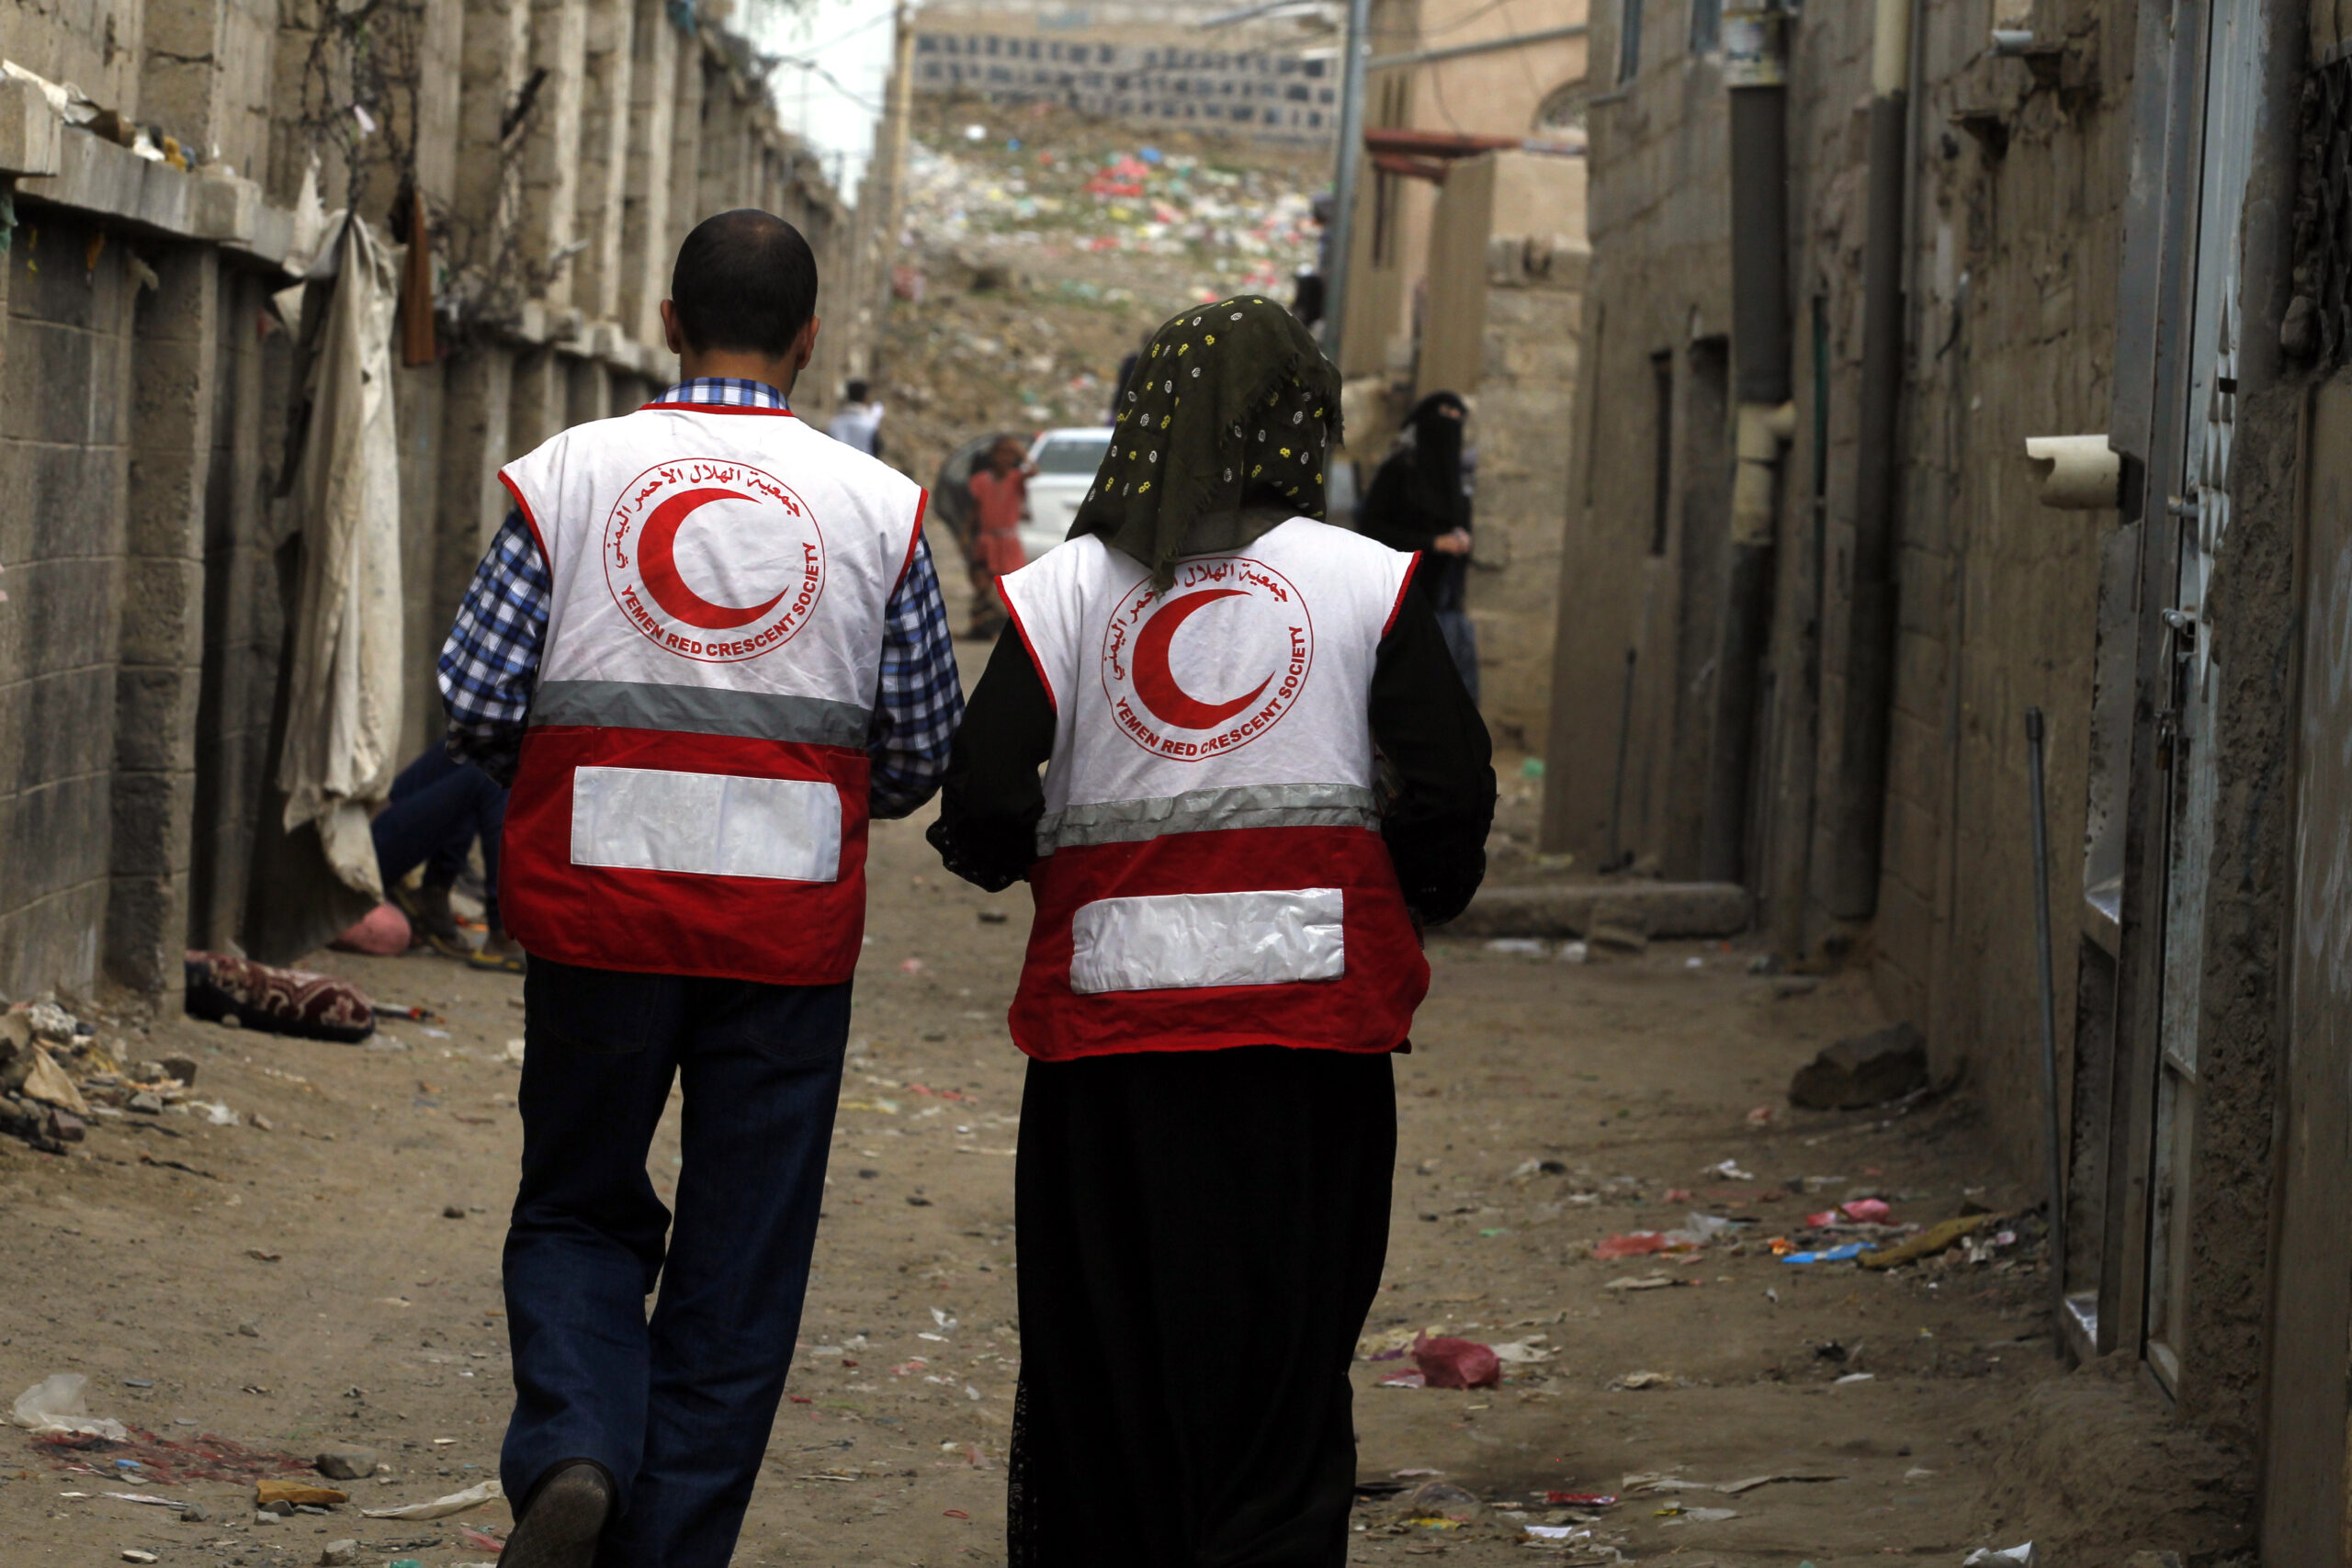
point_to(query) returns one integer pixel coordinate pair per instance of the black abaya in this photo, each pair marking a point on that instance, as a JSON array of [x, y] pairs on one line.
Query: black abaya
[[1202, 1235]]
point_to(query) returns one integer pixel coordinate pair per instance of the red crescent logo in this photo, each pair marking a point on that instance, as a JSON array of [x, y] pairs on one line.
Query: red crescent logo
[[1155, 682], [658, 563], [1267, 625]]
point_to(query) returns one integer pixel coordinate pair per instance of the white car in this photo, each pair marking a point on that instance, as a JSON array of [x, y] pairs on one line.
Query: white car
[[1066, 461]]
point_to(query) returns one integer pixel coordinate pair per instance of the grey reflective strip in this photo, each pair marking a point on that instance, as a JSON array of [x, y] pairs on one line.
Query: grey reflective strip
[[1200, 811], [700, 710]]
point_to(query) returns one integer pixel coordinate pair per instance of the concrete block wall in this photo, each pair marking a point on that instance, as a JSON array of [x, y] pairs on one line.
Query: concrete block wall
[[147, 566], [64, 437]]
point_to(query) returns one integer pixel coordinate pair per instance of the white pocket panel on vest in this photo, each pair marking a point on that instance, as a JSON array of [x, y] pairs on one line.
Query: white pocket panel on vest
[[1179, 940], [706, 824]]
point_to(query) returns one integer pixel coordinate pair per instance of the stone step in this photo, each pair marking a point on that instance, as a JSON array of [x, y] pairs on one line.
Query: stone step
[[1563, 910]]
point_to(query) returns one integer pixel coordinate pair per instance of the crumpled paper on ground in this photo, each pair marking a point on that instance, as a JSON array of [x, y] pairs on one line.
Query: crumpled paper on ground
[[441, 1507]]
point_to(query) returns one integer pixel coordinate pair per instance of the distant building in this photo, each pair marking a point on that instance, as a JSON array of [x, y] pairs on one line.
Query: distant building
[[1208, 80]]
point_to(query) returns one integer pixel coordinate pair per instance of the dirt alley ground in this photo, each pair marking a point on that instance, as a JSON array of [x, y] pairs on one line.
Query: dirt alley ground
[[333, 1278]]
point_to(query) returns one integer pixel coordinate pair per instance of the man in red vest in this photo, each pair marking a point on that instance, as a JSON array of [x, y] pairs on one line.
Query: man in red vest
[[707, 645]]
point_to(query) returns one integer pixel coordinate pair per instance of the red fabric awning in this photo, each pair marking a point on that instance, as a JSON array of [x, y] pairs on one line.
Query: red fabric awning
[[1415, 143]]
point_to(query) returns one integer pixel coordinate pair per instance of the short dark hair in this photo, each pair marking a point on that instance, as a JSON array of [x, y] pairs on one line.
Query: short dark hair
[[744, 280], [857, 390]]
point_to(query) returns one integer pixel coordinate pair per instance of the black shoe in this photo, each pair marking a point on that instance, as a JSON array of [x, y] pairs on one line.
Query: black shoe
[[428, 912], [563, 1519]]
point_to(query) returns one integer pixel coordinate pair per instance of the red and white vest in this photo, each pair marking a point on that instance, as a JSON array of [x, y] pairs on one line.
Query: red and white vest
[[1212, 871], [692, 797]]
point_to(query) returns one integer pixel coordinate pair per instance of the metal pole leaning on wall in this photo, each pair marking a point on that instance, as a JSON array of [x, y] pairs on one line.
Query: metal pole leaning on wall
[[2053, 1146], [1756, 72], [1343, 182], [1870, 646]]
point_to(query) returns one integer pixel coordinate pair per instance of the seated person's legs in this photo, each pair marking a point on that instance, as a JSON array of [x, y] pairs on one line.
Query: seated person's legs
[[438, 808]]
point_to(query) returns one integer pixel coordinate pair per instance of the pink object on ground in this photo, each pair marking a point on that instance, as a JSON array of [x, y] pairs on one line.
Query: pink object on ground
[[1456, 1363], [382, 930], [1866, 1209]]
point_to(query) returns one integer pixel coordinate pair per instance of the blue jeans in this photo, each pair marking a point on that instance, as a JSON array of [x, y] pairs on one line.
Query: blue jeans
[[677, 1409], [439, 807]]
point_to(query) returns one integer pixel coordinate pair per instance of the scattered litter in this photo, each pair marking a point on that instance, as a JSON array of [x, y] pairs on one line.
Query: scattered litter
[[1388, 1344], [1431, 1496], [1526, 945], [1647, 1379], [480, 1540], [48, 1083], [1633, 1244], [1556, 1532], [1456, 1363], [1928, 1242], [1678, 1515], [1829, 1254], [2007, 1557], [1574, 953], [1859, 1377], [262, 1255], [1404, 1380], [1523, 1352], [1868, 1209], [1645, 1282], [440, 1507], [1699, 1229], [1733, 1488], [1581, 1499], [1729, 1170], [1760, 1117], [296, 1493], [132, 1554], [149, 1498], [56, 1405]]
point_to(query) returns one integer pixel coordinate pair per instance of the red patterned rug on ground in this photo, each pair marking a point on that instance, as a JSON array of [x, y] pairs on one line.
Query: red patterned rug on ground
[[277, 1001]]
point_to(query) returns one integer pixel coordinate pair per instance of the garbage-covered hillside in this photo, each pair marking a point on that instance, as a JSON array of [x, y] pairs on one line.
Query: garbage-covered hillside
[[1042, 245]]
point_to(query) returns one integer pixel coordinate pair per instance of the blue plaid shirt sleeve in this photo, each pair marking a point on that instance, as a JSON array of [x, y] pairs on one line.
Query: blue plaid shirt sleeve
[[921, 698], [490, 661]]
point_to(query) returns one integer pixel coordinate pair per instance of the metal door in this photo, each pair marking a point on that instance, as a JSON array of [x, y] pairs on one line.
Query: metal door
[[2200, 509]]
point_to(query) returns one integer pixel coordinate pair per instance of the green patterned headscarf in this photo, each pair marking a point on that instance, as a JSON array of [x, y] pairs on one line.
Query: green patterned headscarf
[[1232, 410]]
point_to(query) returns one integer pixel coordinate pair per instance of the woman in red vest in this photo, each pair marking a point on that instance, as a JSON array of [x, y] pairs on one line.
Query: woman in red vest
[[1262, 776]]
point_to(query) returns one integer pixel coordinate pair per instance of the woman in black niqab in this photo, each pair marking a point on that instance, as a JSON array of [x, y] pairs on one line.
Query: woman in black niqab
[[1419, 500]]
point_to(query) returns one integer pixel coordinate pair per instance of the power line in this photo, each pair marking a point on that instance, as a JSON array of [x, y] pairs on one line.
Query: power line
[[838, 85]]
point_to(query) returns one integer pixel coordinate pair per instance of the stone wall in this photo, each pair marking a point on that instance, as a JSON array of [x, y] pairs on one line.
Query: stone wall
[[144, 405]]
